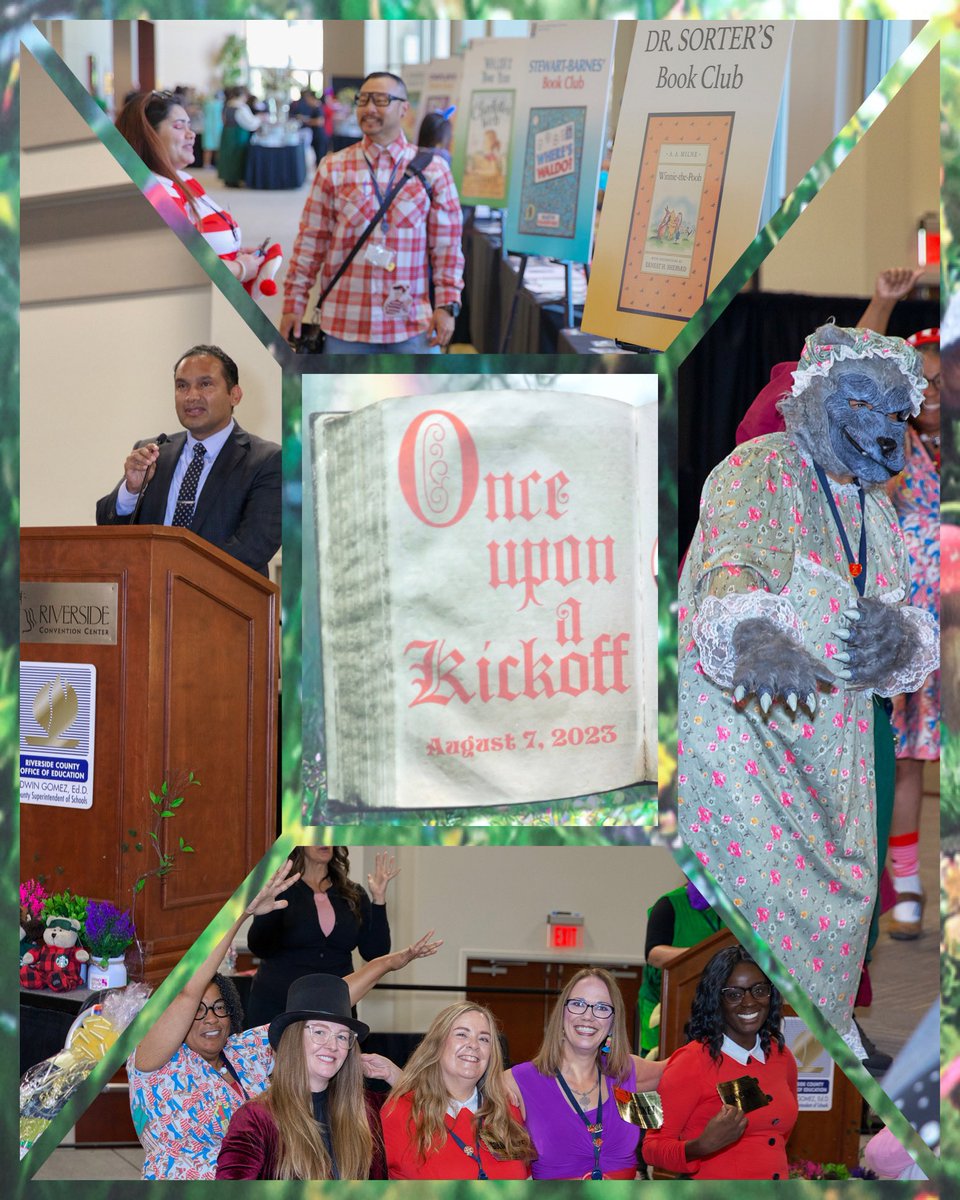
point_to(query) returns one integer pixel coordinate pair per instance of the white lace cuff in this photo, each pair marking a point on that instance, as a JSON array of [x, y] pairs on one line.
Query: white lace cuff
[[718, 617], [910, 678]]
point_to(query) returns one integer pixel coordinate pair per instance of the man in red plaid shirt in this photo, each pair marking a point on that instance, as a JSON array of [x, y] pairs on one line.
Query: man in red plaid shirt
[[382, 303]]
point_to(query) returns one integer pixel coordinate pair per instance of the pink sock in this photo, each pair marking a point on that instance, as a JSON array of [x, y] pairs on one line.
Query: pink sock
[[905, 854]]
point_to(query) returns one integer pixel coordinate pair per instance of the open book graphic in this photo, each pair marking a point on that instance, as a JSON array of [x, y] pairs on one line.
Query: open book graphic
[[487, 597]]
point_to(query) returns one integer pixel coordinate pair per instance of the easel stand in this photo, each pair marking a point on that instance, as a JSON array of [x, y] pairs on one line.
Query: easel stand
[[512, 315], [636, 349], [569, 307]]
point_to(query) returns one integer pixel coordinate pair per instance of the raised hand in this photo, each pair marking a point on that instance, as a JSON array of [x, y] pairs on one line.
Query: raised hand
[[267, 899], [423, 948], [384, 870], [896, 282]]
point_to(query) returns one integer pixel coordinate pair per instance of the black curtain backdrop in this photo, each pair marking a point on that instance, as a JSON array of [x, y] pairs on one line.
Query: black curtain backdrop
[[722, 376]]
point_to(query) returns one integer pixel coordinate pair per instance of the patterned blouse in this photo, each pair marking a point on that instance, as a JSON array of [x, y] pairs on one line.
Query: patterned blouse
[[181, 1111]]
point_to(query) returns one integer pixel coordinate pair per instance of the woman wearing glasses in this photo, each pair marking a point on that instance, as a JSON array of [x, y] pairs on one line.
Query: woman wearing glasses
[[197, 1066], [313, 1122], [448, 1115], [733, 1032], [567, 1091]]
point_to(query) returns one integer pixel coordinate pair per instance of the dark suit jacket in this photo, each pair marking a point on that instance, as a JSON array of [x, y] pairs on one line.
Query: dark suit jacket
[[239, 507]]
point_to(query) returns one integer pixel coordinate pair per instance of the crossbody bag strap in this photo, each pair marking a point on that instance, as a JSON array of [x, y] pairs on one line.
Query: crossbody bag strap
[[415, 168]]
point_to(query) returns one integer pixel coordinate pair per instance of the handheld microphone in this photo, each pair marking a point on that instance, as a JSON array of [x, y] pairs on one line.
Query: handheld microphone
[[143, 486]]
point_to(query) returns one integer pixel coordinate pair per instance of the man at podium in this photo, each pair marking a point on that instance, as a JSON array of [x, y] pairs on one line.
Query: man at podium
[[215, 479]]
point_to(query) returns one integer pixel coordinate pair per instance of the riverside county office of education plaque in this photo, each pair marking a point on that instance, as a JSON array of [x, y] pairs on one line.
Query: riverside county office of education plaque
[[57, 727]]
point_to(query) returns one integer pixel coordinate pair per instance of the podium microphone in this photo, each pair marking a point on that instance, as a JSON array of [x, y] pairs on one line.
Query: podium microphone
[[143, 486]]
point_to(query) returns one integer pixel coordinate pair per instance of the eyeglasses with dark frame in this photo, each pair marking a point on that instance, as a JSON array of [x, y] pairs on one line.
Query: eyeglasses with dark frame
[[380, 99], [600, 1010], [218, 1008], [759, 991]]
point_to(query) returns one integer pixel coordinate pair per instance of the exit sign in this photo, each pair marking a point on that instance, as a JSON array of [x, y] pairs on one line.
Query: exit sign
[[564, 931], [566, 937]]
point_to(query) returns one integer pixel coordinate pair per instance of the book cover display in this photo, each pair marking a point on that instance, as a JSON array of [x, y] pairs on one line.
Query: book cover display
[[687, 173], [674, 225], [487, 599], [441, 89], [481, 157], [414, 76], [558, 139]]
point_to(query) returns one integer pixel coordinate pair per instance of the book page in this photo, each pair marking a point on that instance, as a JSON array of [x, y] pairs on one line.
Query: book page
[[484, 587]]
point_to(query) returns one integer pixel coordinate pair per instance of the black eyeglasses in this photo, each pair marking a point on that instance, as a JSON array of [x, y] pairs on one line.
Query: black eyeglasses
[[759, 991], [218, 1008], [933, 382], [380, 99], [600, 1010]]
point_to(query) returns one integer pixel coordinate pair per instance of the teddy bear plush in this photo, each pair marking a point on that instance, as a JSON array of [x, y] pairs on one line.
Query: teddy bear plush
[[55, 964]]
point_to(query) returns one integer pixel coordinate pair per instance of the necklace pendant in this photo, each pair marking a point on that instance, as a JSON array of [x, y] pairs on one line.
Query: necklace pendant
[[855, 569]]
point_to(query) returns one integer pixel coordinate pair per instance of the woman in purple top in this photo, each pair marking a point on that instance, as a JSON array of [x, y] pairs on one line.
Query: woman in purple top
[[567, 1092]]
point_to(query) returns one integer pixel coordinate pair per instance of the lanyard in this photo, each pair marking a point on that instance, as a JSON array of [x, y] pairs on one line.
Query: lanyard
[[232, 1072], [376, 185], [854, 565], [596, 1128], [472, 1152]]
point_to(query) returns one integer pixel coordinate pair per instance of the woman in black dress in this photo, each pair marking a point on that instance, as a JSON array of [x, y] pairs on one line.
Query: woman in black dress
[[327, 917]]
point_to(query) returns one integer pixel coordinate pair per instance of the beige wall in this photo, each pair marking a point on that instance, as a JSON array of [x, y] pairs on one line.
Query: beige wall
[[495, 900], [343, 49], [186, 51], [110, 298], [865, 217]]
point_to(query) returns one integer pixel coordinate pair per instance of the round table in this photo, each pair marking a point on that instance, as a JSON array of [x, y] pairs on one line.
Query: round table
[[275, 167]]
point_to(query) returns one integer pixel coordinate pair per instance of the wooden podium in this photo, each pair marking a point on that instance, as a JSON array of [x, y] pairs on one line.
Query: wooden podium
[[828, 1136], [190, 684]]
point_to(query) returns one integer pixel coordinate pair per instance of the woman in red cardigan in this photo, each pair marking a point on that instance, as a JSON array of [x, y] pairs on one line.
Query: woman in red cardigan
[[733, 1031], [448, 1115]]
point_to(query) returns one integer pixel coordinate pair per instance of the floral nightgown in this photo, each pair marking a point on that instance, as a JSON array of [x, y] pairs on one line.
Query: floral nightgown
[[780, 808]]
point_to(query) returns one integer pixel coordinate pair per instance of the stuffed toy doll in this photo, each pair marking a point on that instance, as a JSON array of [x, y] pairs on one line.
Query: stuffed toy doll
[[264, 282], [792, 619], [56, 964]]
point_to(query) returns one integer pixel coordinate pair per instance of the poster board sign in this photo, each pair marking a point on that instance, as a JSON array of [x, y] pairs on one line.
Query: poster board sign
[[441, 89], [558, 139], [488, 92], [58, 704], [687, 174], [414, 76], [815, 1067]]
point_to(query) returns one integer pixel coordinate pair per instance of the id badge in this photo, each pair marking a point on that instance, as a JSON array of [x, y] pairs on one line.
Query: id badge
[[398, 300], [380, 255]]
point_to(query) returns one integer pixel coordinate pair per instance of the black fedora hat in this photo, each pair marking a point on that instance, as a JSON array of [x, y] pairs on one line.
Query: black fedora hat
[[317, 998]]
